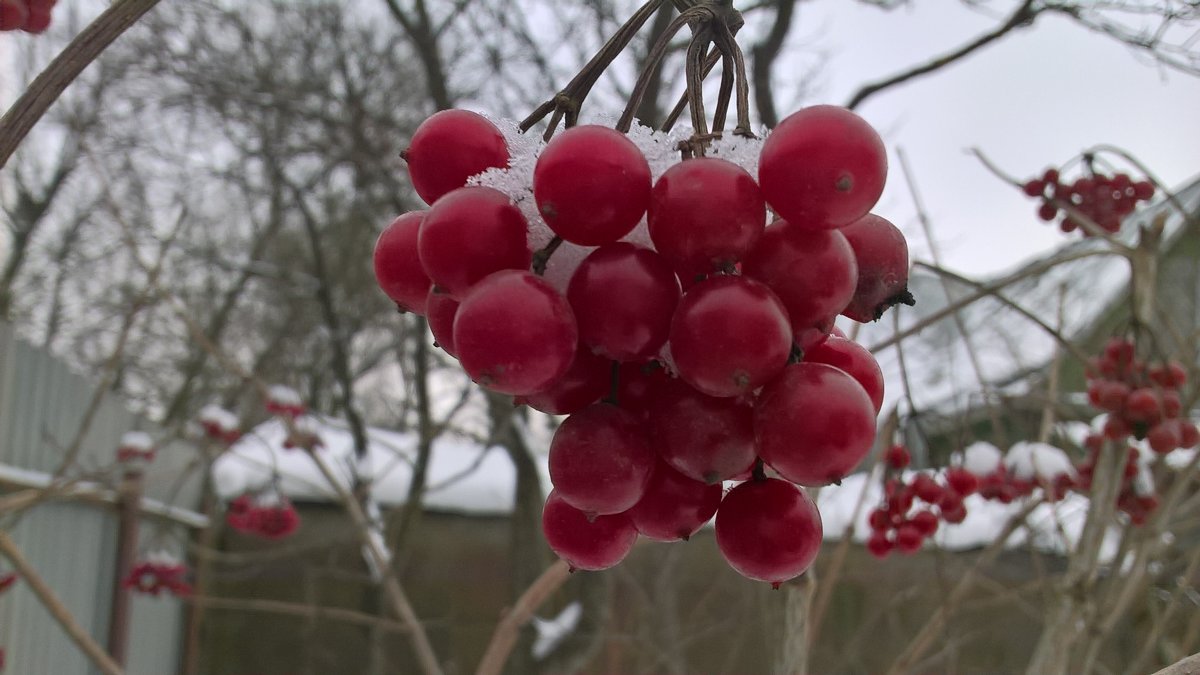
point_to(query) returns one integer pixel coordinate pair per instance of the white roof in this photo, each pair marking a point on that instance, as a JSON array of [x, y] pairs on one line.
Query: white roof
[[466, 477]]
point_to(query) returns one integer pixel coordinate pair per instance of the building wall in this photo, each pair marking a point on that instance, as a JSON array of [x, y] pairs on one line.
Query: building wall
[[675, 608], [73, 544]]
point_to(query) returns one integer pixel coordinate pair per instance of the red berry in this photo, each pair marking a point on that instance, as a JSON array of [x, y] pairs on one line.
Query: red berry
[[705, 438], [878, 545], [595, 543], [823, 167], [1164, 436], [813, 272], [962, 481], [674, 506], [768, 530], [1142, 405], [897, 457], [600, 459], [882, 256], [592, 185], [705, 214], [1034, 188], [623, 297], [39, 18], [729, 336], [585, 382], [440, 310], [450, 147], [13, 14], [880, 519], [1048, 212], [469, 234], [638, 385], [398, 265], [908, 538], [925, 522], [514, 333], [1189, 435], [814, 424], [853, 358], [927, 489]]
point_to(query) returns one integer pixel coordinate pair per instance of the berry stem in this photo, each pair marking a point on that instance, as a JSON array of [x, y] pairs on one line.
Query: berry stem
[[542, 257], [714, 55], [614, 384], [568, 101], [653, 59], [759, 472]]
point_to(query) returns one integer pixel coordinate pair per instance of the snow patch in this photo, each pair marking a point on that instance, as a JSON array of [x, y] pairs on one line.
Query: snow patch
[[136, 440], [1033, 461], [551, 632], [982, 458]]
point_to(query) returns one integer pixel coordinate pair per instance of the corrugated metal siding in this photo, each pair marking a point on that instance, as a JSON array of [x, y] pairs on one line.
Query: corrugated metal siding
[[73, 545]]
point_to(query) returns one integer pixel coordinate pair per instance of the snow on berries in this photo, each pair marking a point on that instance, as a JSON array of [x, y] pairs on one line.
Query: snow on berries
[[674, 304], [136, 449], [218, 424], [267, 514]]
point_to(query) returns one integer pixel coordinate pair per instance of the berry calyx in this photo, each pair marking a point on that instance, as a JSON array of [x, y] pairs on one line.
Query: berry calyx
[[882, 256]]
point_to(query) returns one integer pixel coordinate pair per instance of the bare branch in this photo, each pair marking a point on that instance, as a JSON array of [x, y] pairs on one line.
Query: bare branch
[[1022, 17]]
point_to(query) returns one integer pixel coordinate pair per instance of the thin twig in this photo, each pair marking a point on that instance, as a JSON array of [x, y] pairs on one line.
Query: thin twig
[[1022, 16]]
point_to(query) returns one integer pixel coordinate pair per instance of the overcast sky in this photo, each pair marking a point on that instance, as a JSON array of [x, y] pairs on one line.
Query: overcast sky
[[1037, 97]]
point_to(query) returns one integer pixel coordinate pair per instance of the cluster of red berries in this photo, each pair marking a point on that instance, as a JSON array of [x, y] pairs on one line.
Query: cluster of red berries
[[158, 573], [31, 16], [709, 343], [1105, 200], [269, 516], [219, 424], [1141, 400], [1137, 497], [902, 523], [286, 403]]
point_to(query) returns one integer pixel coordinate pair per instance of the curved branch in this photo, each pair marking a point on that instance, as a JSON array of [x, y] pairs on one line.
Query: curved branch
[[63, 70], [506, 632], [1022, 17]]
